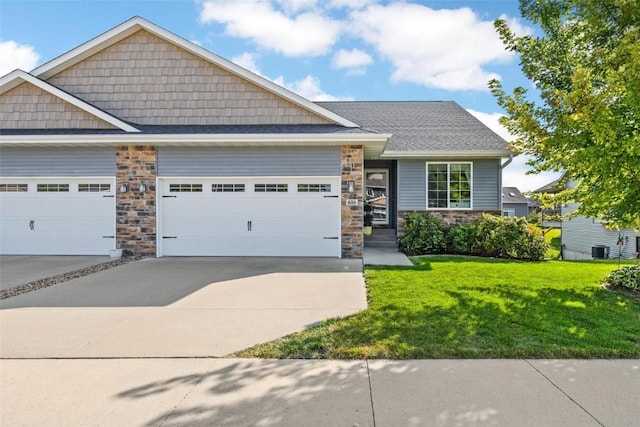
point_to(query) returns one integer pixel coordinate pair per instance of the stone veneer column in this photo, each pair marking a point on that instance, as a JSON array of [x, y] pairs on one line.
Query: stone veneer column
[[351, 165], [135, 210]]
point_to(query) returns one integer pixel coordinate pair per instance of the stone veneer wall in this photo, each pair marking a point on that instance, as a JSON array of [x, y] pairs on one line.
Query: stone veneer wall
[[351, 165], [136, 211], [446, 217]]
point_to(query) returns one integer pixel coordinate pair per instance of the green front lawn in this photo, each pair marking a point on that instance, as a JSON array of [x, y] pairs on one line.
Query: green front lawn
[[552, 237], [465, 307]]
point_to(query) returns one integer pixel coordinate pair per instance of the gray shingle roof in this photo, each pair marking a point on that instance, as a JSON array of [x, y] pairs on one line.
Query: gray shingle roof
[[516, 198], [422, 126]]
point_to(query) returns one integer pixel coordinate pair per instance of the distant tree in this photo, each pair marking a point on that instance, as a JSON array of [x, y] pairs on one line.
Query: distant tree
[[586, 69]]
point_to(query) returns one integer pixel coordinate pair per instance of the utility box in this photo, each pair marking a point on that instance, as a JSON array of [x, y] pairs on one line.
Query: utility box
[[600, 252]]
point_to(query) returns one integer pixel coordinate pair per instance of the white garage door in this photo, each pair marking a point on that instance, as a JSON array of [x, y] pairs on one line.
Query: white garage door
[[57, 216], [250, 217]]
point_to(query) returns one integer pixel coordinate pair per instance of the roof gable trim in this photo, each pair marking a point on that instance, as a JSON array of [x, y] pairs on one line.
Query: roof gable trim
[[137, 23], [17, 77]]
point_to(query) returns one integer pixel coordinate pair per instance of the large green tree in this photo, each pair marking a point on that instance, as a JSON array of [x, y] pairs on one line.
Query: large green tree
[[584, 117]]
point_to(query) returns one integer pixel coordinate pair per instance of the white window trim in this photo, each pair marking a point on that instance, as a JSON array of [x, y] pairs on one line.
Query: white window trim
[[426, 179], [511, 211]]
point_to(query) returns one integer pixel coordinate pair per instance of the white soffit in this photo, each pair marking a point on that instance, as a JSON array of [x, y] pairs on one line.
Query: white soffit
[[373, 144], [17, 77], [137, 23]]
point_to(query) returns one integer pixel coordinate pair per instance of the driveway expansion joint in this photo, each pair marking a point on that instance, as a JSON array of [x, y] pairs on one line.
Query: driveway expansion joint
[[373, 410], [186, 395], [565, 393], [64, 277]]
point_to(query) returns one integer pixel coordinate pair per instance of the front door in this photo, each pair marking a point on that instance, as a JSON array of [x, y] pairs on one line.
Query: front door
[[377, 195]]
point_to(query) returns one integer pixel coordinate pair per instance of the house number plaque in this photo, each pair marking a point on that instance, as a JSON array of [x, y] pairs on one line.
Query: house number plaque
[[352, 202]]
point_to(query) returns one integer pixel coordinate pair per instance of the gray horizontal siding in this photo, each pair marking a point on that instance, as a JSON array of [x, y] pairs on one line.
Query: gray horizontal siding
[[412, 179], [250, 161], [521, 210], [412, 184], [579, 234], [487, 191], [61, 161]]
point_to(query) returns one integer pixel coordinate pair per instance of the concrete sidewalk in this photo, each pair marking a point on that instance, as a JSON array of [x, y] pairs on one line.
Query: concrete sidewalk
[[385, 256], [248, 392]]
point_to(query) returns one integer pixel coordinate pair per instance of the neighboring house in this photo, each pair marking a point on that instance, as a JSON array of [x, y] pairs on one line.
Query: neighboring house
[[514, 203], [142, 141], [550, 217], [580, 235]]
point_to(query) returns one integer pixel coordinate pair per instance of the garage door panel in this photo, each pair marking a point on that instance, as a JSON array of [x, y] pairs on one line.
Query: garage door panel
[[206, 228], [57, 223], [251, 223], [89, 245], [78, 226], [260, 246]]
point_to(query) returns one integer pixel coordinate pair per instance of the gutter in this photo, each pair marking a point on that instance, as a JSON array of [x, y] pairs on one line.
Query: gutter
[[505, 164], [193, 139], [444, 154]]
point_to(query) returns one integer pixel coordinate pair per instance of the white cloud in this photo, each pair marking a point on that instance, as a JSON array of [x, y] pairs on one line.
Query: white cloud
[[516, 26], [247, 60], [444, 49], [294, 6], [309, 88], [515, 175], [491, 121], [355, 60], [349, 4], [14, 55], [306, 34]]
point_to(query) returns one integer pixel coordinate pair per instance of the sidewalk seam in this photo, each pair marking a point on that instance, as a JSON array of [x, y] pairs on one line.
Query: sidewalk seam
[[177, 405], [563, 392], [373, 411]]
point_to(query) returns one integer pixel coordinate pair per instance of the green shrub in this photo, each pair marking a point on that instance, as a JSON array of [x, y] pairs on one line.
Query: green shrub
[[423, 234], [494, 236], [535, 218], [462, 238], [509, 237], [626, 277], [489, 236], [532, 246]]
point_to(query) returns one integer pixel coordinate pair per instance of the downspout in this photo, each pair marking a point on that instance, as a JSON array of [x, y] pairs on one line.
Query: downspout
[[509, 160], [502, 166]]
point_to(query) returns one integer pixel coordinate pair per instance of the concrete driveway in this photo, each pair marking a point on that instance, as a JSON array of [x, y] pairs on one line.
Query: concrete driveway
[[179, 307], [17, 270]]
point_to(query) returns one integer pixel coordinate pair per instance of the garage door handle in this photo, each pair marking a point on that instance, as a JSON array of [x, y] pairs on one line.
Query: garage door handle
[[169, 237], [32, 225], [331, 197], [330, 238], [165, 197], [109, 196], [108, 237], [248, 225]]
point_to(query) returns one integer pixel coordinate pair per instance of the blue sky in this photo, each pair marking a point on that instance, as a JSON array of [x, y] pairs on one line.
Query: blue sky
[[324, 50]]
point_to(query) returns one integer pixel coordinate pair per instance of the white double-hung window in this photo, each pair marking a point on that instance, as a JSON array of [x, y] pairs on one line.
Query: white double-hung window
[[449, 185]]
